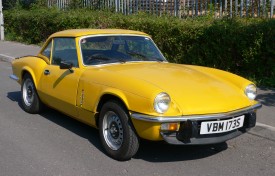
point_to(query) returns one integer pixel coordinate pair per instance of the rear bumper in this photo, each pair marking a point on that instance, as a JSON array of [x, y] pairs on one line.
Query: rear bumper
[[14, 77], [189, 131]]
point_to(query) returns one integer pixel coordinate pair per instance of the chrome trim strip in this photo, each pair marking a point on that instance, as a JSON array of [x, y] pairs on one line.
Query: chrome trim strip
[[160, 119], [14, 77]]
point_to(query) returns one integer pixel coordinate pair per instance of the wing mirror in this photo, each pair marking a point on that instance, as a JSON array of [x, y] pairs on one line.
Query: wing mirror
[[66, 65]]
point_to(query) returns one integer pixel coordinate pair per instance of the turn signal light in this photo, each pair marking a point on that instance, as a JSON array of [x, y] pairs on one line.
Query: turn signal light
[[170, 126]]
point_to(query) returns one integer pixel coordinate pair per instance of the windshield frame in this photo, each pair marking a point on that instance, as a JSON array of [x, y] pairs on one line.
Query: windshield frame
[[100, 35]]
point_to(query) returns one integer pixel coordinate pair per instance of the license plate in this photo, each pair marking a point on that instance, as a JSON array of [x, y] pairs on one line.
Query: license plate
[[222, 126]]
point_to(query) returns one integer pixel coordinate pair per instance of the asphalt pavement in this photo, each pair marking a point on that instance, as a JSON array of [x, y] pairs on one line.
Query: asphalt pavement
[[53, 144]]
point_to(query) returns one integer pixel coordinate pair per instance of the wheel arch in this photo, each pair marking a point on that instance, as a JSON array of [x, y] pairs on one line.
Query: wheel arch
[[27, 70], [108, 97]]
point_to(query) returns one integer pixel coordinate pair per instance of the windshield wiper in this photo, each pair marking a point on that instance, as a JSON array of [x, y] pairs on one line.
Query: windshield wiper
[[145, 58], [101, 58], [121, 61], [97, 58]]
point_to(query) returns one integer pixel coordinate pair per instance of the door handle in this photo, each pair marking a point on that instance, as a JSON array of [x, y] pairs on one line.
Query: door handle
[[47, 72]]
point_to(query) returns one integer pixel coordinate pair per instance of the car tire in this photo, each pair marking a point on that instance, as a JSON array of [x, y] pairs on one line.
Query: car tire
[[30, 100], [116, 131]]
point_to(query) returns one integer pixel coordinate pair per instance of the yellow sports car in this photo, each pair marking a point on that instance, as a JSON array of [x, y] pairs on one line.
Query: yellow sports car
[[119, 82]]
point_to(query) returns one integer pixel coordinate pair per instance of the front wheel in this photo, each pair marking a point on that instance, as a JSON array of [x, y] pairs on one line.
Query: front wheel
[[30, 100], [117, 133]]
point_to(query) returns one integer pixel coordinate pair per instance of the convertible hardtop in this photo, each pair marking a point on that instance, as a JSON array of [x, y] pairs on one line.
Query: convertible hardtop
[[84, 32]]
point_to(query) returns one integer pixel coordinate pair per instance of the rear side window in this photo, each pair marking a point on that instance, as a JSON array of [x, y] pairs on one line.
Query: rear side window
[[64, 49]]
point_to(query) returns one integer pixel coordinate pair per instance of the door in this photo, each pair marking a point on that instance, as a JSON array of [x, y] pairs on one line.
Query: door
[[59, 86]]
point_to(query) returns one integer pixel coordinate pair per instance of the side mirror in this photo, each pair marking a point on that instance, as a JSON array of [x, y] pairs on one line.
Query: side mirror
[[65, 65]]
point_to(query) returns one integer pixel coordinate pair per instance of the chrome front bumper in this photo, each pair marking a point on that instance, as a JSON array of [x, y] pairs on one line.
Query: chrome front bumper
[[195, 117], [189, 131]]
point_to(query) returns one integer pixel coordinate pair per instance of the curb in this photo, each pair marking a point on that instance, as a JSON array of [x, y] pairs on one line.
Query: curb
[[6, 58], [263, 131]]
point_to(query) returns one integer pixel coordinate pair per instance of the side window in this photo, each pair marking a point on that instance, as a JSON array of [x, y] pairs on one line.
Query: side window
[[64, 49], [47, 50]]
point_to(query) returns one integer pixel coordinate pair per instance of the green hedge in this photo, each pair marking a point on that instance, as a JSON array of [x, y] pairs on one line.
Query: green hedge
[[242, 46]]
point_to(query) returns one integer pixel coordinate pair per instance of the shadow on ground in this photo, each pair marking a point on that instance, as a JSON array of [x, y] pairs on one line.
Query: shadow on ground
[[149, 151], [162, 152], [266, 97]]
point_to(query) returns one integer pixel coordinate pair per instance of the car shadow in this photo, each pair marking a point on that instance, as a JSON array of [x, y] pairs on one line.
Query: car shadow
[[16, 97], [266, 97], [74, 126], [148, 151], [64, 121], [163, 152]]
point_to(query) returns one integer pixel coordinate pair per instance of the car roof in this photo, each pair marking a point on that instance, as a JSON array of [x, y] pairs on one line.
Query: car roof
[[84, 32]]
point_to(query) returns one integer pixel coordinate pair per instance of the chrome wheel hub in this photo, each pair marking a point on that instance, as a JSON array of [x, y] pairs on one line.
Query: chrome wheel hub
[[28, 92], [112, 130]]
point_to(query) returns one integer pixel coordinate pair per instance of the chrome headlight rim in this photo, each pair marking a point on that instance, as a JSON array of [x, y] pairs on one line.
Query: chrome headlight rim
[[162, 102], [251, 91]]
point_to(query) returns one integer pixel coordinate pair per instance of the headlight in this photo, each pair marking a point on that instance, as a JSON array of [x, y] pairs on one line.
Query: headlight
[[162, 102], [251, 91]]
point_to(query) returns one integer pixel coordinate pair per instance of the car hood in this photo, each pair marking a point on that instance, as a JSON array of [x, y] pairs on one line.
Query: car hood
[[193, 90]]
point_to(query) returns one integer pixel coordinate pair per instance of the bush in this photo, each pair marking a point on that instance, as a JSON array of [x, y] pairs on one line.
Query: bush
[[244, 46]]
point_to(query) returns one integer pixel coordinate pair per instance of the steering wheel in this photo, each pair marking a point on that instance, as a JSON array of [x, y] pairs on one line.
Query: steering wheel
[[96, 56]]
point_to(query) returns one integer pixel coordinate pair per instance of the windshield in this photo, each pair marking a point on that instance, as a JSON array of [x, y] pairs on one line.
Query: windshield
[[113, 49]]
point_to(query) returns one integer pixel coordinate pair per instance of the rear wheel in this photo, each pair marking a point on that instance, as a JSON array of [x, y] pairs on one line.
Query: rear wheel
[[117, 133], [30, 100]]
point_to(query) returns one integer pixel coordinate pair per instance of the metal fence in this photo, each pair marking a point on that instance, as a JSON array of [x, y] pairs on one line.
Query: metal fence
[[178, 8]]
